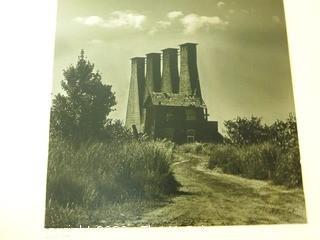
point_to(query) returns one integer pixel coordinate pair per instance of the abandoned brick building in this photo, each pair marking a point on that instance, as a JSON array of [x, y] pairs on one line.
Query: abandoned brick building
[[169, 105]]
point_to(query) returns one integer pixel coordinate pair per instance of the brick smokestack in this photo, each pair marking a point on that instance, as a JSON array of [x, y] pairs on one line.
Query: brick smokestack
[[136, 94], [153, 75], [170, 75], [189, 77]]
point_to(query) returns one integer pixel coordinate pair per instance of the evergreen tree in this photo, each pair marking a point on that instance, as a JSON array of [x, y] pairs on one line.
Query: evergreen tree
[[82, 112]]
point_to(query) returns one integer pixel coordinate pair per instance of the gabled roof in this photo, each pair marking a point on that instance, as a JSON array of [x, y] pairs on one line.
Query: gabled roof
[[174, 99]]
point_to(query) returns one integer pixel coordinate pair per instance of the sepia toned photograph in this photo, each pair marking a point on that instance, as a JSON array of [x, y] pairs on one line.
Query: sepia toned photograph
[[172, 113]]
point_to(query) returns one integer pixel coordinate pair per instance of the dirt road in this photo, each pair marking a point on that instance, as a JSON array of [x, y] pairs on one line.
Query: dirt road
[[211, 198]]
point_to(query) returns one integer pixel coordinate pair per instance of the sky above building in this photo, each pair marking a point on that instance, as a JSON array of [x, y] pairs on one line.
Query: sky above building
[[243, 58]]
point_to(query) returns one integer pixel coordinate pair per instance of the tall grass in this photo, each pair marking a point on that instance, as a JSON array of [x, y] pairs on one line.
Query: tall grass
[[91, 175], [196, 147], [259, 161]]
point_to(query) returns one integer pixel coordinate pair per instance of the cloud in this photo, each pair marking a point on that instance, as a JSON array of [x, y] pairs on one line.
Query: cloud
[[117, 19], [193, 22], [153, 30], [90, 21], [159, 25], [174, 14], [231, 11], [220, 4], [121, 19]]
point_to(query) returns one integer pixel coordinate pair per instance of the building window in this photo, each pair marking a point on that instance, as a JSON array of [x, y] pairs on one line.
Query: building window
[[191, 115], [191, 135]]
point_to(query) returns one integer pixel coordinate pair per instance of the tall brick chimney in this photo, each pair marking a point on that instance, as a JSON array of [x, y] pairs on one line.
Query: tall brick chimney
[[153, 75], [189, 77], [136, 94], [170, 75]]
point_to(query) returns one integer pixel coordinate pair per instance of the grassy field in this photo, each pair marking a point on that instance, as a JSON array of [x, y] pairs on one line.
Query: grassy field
[[207, 197]]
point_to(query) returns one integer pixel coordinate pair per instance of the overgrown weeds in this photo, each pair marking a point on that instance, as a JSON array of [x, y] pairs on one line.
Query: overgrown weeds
[[260, 161], [90, 175], [258, 151]]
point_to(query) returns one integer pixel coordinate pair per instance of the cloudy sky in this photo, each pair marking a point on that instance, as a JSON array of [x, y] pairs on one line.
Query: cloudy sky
[[243, 57]]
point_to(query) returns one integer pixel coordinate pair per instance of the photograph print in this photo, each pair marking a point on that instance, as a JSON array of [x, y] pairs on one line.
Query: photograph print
[[172, 113]]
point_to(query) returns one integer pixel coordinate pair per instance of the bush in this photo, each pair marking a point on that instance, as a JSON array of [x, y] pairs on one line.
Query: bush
[[284, 133], [257, 161], [196, 148], [191, 148], [89, 175], [115, 131], [288, 169], [225, 157], [243, 131], [264, 152]]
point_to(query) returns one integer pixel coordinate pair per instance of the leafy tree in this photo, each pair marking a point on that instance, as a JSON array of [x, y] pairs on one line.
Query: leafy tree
[[116, 132], [284, 133], [243, 131], [81, 113]]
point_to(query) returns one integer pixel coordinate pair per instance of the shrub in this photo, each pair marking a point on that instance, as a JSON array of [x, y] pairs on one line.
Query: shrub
[[191, 147], [284, 133], [225, 157], [196, 148], [115, 131], [265, 152], [257, 161], [288, 169], [243, 131]]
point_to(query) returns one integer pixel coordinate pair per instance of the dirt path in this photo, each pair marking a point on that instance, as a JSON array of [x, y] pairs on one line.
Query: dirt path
[[212, 198]]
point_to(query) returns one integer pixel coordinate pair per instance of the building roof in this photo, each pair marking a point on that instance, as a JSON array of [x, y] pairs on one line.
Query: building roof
[[175, 99], [188, 43], [170, 50]]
